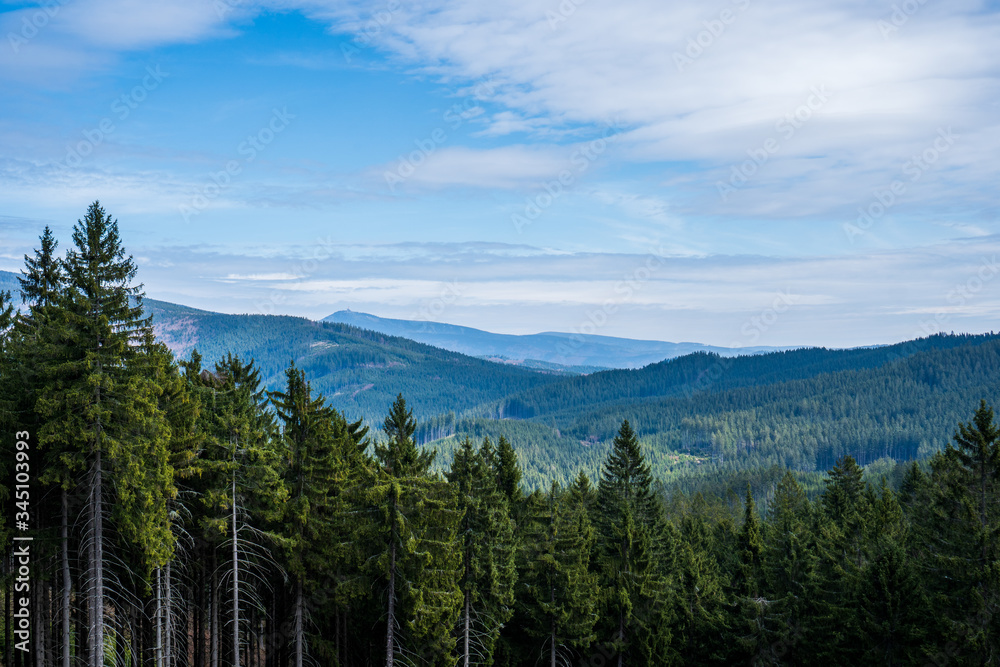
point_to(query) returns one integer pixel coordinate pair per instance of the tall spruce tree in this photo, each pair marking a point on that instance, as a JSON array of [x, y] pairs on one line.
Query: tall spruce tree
[[101, 414], [562, 590], [959, 529], [634, 553], [416, 529], [789, 564], [310, 468], [488, 547]]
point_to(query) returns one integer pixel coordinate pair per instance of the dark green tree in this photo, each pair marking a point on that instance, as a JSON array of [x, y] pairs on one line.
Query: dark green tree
[[488, 547], [562, 591], [635, 551], [416, 527]]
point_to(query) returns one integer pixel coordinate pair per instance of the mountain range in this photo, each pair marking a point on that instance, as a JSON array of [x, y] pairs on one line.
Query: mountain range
[[572, 352], [701, 415]]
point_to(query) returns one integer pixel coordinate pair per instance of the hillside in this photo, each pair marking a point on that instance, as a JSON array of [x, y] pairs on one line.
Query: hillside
[[359, 371], [800, 410], [573, 352]]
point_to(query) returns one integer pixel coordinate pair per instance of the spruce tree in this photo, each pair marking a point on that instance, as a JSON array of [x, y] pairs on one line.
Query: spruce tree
[[698, 601], [488, 547], [415, 527], [788, 563], [635, 553], [308, 431], [101, 416], [960, 531], [562, 590]]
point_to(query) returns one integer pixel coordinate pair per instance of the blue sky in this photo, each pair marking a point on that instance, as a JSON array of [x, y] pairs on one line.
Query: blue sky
[[733, 173]]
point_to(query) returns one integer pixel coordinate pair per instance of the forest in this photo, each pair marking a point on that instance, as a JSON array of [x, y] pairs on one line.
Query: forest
[[178, 511]]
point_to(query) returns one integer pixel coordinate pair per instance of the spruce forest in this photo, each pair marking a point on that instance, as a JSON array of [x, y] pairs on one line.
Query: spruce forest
[[183, 512]]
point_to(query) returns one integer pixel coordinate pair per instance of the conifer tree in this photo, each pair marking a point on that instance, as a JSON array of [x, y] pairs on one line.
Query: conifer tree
[[416, 525], [488, 548], [789, 566], [960, 532], [101, 415], [890, 607], [508, 472], [562, 591], [635, 551], [747, 585], [698, 602], [309, 470]]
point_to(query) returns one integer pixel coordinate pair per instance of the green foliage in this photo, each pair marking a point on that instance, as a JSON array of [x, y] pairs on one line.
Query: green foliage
[[561, 589], [488, 546]]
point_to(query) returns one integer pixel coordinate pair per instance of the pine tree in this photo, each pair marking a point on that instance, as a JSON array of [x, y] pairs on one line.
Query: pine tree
[[789, 565], [698, 602], [488, 548], [416, 528], [241, 495], [562, 591], [959, 529], [890, 607], [508, 472], [751, 636], [101, 416], [309, 472], [635, 551]]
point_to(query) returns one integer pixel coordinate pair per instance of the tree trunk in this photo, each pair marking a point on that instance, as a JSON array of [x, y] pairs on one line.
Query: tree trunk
[[97, 567], [236, 585], [468, 603], [168, 640], [158, 649], [214, 620], [66, 581], [391, 620], [298, 622]]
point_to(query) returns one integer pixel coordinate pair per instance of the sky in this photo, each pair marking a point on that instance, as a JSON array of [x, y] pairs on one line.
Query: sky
[[731, 172]]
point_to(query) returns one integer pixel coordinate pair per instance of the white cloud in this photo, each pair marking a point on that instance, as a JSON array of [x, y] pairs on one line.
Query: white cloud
[[884, 95]]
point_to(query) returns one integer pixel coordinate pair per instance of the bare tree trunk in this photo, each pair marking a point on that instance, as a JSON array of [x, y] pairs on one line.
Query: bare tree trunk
[[465, 649], [66, 581], [391, 620], [159, 619], [97, 566], [236, 585], [553, 643], [214, 620], [298, 622], [168, 640]]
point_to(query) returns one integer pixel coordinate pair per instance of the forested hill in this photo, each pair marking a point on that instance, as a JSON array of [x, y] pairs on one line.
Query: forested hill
[[800, 410], [586, 352], [359, 371], [699, 373]]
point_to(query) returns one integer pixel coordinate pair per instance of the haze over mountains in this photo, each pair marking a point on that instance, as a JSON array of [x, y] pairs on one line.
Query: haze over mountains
[[575, 352]]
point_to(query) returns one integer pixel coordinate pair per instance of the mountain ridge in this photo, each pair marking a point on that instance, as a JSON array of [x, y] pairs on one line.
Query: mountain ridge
[[574, 352]]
